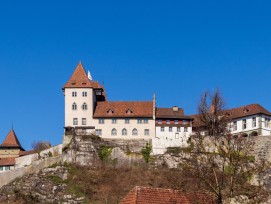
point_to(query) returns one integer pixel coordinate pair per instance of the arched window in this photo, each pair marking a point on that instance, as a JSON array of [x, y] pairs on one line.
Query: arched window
[[85, 106], [114, 132], [134, 132], [124, 132], [74, 106]]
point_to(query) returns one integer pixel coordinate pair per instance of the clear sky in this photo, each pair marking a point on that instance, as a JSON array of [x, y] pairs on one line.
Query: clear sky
[[175, 49]]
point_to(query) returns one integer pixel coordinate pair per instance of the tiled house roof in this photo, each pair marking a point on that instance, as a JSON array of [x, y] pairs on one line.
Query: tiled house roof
[[10, 161], [234, 113], [11, 140], [146, 195], [24, 153], [79, 79], [108, 109], [169, 113]]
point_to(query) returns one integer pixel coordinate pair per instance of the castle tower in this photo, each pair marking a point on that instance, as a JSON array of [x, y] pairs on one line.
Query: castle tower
[[81, 94]]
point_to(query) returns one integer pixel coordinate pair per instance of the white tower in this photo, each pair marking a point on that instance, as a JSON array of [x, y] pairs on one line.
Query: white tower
[[80, 100]]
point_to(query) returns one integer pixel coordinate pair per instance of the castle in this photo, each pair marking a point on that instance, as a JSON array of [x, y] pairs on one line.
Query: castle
[[88, 111]]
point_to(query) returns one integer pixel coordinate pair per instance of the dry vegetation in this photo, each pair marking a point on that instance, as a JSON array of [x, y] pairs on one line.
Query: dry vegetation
[[110, 185]]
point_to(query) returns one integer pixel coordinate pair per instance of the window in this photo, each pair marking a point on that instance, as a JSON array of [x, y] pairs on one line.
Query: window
[[146, 132], [1, 168], [127, 121], [139, 121], [74, 106], [234, 125], [178, 129], [124, 132], [114, 132], [134, 132], [176, 121], [168, 121], [266, 122], [177, 136], [101, 121], [84, 94], [184, 121], [162, 129], [75, 121], [85, 106], [146, 121], [84, 121], [170, 129], [74, 94], [98, 132], [185, 129], [244, 125], [254, 122], [159, 121], [7, 167], [114, 121], [129, 111]]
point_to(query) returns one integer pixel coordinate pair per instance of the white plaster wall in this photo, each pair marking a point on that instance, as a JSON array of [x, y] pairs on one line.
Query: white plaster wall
[[79, 100], [166, 139], [249, 119], [108, 126]]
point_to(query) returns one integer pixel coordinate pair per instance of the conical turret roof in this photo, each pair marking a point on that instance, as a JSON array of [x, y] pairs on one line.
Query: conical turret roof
[[79, 79], [11, 140]]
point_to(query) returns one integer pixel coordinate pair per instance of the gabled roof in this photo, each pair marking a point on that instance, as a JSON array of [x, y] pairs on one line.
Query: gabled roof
[[108, 109], [235, 113], [146, 195], [170, 113], [10, 161], [79, 79], [11, 140]]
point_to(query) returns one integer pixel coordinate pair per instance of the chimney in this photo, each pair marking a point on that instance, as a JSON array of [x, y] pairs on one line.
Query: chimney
[[175, 108], [154, 106]]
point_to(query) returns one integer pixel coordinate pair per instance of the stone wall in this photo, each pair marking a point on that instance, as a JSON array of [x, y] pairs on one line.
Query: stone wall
[[29, 159], [8, 176], [26, 160]]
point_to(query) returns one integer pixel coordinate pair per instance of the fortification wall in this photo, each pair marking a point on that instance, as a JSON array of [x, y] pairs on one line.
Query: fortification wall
[[8, 176]]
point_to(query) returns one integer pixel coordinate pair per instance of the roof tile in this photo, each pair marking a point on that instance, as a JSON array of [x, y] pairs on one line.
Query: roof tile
[[108, 109], [79, 79], [11, 140], [147, 195]]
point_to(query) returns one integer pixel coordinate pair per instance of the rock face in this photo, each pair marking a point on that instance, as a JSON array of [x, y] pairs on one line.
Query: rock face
[[84, 150], [47, 186]]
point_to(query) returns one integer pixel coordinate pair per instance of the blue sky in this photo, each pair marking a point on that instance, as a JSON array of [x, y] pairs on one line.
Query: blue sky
[[175, 49]]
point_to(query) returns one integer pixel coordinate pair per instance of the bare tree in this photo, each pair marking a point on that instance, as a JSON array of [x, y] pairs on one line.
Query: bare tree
[[40, 145], [222, 164]]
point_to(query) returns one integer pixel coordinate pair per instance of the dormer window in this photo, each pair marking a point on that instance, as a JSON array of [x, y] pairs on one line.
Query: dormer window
[[84, 83], [73, 83], [110, 112], [227, 114], [245, 110], [129, 111]]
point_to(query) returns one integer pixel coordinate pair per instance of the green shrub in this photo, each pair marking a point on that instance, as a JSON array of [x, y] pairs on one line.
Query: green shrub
[[146, 152]]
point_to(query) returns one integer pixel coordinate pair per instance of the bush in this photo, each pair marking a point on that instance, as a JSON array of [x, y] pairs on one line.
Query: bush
[[146, 152]]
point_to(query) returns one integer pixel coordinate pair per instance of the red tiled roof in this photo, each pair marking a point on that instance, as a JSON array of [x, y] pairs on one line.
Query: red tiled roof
[[146, 195], [79, 79], [10, 161], [108, 109], [234, 113], [169, 113], [24, 153], [11, 140]]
